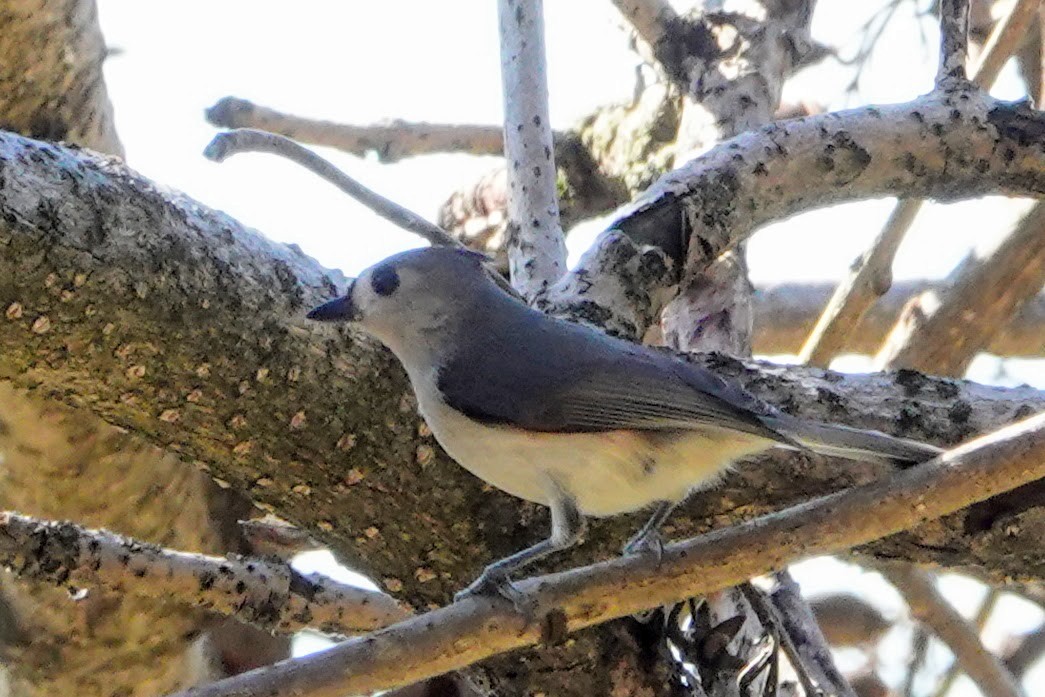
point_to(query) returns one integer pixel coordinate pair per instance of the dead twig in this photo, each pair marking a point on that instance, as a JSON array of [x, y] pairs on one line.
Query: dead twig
[[229, 143]]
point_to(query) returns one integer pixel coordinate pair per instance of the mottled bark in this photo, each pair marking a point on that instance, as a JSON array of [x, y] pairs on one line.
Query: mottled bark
[[174, 321], [949, 144]]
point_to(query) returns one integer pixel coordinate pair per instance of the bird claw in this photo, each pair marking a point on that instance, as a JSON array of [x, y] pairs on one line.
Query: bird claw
[[649, 543], [492, 585]]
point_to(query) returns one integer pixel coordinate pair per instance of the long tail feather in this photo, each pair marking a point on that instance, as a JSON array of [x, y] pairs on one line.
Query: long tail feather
[[854, 443]]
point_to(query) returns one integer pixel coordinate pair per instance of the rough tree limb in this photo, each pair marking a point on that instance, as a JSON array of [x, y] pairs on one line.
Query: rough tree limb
[[871, 276], [470, 630], [536, 245], [930, 608], [172, 320], [943, 333], [949, 144], [269, 594]]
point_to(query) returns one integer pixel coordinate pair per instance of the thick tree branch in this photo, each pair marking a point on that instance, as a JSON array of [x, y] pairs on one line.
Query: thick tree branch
[[267, 593], [932, 609], [942, 333], [536, 246], [950, 144], [391, 141], [99, 269], [872, 275], [468, 631]]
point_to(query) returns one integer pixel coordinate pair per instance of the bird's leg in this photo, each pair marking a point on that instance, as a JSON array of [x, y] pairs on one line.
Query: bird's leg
[[568, 527], [647, 539]]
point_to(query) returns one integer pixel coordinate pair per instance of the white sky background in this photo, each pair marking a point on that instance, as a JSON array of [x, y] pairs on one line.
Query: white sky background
[[361, 62]]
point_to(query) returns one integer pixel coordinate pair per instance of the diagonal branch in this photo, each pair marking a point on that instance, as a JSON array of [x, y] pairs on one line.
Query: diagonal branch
[[229, 143], [267, 593], [942, 333], [872, 273], [468, 631], [932, 609], [536, 246]]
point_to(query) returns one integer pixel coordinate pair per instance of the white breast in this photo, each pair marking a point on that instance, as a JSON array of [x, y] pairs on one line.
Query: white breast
[[605, 473]]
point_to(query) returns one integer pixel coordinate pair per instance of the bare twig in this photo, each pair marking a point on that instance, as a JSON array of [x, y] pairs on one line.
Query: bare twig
[[941, 334], [930, 608], [266, 593], [230, 143], [810, 646], [919, 650], [475, 628], [983, 613], [536, 247], [1026, 651], [869, 279], [649, 18], [872, 275], [954, 40], [390, 141]]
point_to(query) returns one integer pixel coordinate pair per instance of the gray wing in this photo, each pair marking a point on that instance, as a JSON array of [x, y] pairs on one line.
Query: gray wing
[[549, 375]]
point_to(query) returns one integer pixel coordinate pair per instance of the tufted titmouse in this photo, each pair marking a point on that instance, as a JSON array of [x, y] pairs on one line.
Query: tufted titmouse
[[560, 414]]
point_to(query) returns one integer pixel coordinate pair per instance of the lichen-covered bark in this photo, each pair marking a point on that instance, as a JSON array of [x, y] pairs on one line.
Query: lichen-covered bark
[[173, 321], [51, 83]]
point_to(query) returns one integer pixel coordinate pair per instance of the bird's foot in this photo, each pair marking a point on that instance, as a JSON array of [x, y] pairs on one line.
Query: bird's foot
[[498, 584], [649, 543]]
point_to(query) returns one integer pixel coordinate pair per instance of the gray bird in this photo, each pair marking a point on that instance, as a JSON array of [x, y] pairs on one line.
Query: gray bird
[[560, 414]]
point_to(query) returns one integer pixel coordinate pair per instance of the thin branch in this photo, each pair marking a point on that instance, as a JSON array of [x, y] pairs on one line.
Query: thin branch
[[799, 624], [785, 313], [267, 593], [983, 614], [919, 651], [536, 246], [1004, 41], [649, 18], [872, 276], [941, 334], [930, 608], [390, 141], [476, 628], [954, 40], [870, 279], [230, 143], [1026, 652]]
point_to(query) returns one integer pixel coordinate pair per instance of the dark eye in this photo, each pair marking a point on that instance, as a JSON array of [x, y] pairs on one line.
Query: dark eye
[[384, 280]]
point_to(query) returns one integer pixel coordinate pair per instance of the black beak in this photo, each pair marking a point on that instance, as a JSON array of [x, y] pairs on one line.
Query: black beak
[[336, 310]]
